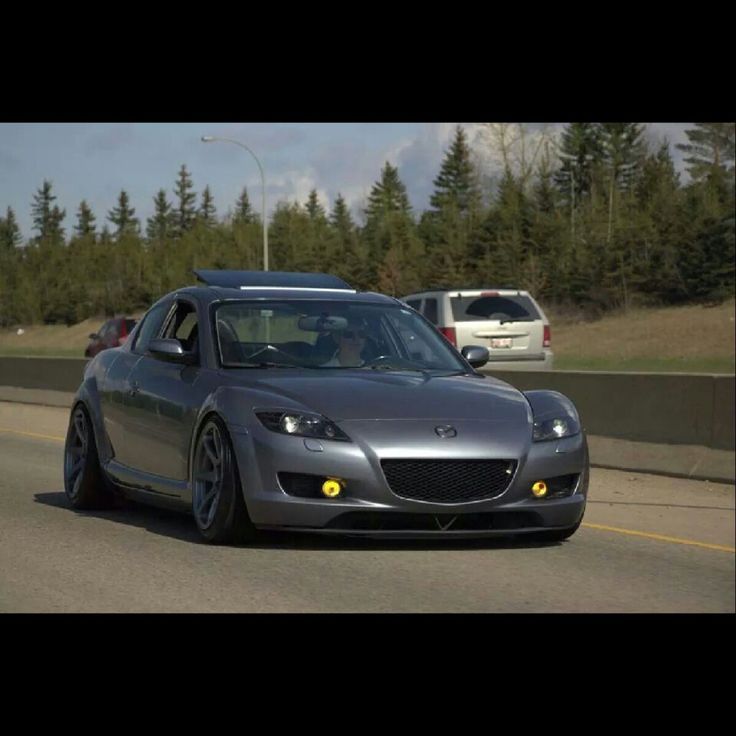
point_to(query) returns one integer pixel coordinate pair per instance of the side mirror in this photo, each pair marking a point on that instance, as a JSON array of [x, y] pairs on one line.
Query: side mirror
[[94, 336], [476, 355], [171, 351]]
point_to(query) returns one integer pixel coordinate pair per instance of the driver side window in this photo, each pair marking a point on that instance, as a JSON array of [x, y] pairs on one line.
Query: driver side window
[[184, 327], [150, 327]]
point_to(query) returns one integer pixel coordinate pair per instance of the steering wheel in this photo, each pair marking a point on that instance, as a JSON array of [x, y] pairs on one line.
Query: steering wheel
[[268, 352]]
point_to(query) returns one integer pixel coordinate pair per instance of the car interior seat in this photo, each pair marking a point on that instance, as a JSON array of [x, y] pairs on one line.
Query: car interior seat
[[232, 350]]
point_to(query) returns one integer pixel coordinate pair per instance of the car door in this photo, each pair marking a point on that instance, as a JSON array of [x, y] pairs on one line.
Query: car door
[[165, 398], [121, 418]]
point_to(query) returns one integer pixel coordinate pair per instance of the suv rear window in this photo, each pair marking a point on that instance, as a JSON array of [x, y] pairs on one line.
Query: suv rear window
[[477, 308]]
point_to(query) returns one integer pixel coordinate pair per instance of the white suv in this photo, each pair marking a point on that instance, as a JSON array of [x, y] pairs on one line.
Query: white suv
[[506, 321]]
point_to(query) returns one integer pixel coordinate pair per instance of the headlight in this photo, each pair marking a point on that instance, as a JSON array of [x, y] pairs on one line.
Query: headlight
[[555, 429], [301, 424]]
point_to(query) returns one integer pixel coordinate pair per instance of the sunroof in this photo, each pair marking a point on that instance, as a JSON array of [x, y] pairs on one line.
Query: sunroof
[[275, 279]]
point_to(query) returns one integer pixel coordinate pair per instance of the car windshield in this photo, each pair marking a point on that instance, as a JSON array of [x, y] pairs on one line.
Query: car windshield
[[330, 334]]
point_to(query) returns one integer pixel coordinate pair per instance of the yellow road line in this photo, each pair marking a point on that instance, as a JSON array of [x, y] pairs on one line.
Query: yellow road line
[[33, 434], [662, 538]]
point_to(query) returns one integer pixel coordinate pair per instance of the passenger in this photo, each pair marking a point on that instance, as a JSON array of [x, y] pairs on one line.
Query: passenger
[[350, 344]]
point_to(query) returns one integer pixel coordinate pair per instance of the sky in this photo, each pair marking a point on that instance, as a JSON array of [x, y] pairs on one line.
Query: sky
[[94, 161]]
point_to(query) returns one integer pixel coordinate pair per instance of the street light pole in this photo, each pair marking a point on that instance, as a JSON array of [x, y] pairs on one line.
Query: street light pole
[[210, 139]]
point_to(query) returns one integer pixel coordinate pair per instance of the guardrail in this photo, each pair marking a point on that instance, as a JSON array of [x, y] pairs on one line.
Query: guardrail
[[665, 408]]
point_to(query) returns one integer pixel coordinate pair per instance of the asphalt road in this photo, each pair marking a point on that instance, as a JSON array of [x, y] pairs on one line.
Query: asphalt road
[[648, 544]]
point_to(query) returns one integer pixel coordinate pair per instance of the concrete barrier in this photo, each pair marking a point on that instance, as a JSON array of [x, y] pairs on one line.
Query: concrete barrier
[[663, 408], [55, 374]]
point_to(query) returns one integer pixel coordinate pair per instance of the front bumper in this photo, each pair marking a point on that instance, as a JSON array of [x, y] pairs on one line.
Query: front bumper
[[370, 508]]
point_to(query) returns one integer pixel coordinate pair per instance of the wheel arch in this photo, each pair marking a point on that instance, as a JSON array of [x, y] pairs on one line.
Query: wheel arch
[[88, 397]]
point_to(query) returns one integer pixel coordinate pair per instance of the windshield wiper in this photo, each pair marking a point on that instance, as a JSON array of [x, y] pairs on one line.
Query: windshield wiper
[[504, 321], [262, 364], [389, 367]]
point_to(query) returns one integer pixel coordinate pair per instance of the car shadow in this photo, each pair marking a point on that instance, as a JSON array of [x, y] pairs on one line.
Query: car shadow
[[174, 524], [179, 525]]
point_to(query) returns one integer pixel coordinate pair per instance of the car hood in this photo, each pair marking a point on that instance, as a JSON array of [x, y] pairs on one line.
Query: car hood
[[373, 395]]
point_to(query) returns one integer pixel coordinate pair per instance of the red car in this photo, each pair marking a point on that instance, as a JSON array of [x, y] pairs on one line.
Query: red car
[[112, 334]]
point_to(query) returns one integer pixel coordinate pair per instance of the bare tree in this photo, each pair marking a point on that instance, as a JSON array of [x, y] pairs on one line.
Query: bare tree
[[514, 147]]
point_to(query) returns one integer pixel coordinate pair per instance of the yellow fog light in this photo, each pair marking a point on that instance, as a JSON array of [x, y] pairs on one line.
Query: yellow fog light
[[539, 489], [332, 488]]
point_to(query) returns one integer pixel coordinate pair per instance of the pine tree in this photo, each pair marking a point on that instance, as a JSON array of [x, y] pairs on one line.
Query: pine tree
[[314, 209], [457, 184], [161, 225], [501, 247], [56, 231], [711, 147], [623, 151], [390, 227], [289, 239], [446, 229], [350, 253], [123, 217], [340, 217], [185, 212], [580, 150], [85, 221], [47, 220], [661, 231], [386, 196], [207, 211], [10, 236], [243, 212]]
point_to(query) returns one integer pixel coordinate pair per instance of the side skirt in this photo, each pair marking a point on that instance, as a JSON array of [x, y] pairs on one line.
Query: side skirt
[[150, 489]]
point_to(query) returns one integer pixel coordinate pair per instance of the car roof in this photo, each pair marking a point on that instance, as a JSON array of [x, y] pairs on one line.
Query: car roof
[[222, 294], [225, 285], [276, 279], [475, 291]]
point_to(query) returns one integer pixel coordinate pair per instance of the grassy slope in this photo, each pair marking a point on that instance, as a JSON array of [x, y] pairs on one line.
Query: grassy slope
[[690, 339], [57, 340], [685, 339]]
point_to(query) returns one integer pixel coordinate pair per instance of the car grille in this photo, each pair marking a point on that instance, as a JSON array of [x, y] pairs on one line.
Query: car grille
[[448, 481]]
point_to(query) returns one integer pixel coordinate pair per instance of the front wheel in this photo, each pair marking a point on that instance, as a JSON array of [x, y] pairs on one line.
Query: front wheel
[[84, 483], [217, 498]]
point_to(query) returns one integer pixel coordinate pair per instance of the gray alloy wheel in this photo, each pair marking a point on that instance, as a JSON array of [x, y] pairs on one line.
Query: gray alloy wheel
[[84, 484], [217, 499]]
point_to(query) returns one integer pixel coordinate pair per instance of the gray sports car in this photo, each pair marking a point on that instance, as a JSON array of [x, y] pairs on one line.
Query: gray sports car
[[265, 400]]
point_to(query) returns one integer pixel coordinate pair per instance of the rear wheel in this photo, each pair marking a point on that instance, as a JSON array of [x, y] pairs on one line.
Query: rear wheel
[[84, 483], [217, 498]]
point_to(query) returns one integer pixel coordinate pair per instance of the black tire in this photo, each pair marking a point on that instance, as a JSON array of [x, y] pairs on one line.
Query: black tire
[[217, 498], [84, 482]]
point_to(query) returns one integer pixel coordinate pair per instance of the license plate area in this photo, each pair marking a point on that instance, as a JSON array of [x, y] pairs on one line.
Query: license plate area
[[501, 342]]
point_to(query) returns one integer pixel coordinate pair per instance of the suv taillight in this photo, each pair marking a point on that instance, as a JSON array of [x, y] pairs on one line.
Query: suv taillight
[[449, 334], [547, 337]]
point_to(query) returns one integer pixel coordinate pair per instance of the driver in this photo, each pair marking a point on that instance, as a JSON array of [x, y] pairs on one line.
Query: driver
[[350, 344]]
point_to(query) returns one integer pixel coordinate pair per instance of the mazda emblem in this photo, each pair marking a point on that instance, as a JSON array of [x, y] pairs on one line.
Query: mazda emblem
[[445, 431]]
